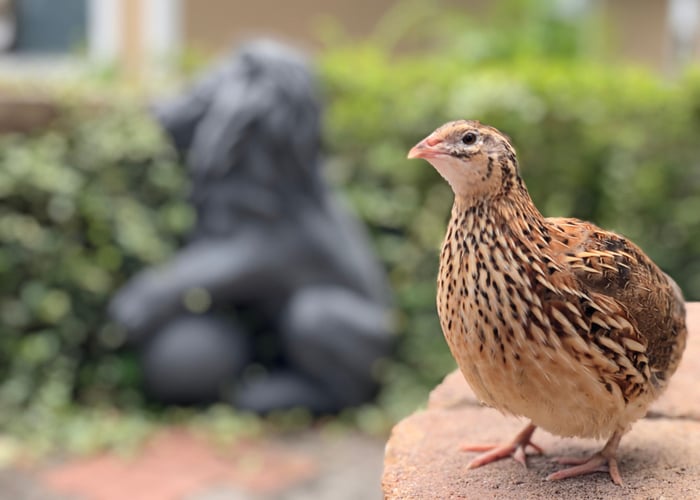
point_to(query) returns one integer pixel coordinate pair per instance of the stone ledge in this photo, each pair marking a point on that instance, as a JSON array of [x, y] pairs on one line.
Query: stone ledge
[[660, 456]]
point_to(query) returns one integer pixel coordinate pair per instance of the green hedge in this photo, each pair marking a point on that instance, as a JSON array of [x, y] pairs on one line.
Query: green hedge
[[84, 205], [99, 195], [616, 146]]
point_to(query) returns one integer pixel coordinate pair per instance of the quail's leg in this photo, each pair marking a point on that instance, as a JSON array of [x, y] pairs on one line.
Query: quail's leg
[[603, 461], [516, 449]]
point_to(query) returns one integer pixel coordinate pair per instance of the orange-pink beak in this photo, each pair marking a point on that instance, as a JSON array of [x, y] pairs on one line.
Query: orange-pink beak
[[427, 148]]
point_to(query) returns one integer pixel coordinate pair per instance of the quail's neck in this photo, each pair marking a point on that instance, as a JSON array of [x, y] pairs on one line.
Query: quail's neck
[[513, 209]]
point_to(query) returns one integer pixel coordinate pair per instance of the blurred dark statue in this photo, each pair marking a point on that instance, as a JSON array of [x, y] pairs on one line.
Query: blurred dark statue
[[276, 301]]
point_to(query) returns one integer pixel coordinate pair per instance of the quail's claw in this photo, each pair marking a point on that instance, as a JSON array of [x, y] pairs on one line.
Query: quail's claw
[[515, 449], [596, 463], [603, 461]]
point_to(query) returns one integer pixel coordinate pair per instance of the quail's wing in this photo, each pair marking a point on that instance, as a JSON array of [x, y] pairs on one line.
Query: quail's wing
[[614, 271]]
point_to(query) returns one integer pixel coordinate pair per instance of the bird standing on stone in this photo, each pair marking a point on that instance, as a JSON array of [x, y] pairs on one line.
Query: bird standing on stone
[[554, 319]]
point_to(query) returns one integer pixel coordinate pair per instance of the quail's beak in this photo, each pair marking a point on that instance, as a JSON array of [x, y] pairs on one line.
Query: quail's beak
[[427, 148]]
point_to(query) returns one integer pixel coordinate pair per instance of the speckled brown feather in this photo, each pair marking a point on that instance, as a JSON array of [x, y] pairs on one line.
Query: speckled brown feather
[[551, 318], [611, 265]]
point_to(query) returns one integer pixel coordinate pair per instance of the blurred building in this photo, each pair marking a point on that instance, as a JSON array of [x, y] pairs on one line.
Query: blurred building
[[140, 34]]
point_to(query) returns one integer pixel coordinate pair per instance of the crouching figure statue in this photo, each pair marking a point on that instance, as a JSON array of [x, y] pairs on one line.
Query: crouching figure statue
[[276, 300]]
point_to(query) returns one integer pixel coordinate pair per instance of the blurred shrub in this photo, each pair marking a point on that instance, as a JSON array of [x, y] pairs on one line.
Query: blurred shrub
[[88, 202], [617, 146], [84, 205]]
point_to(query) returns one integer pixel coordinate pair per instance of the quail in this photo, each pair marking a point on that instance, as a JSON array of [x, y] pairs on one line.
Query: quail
[[553, 319]]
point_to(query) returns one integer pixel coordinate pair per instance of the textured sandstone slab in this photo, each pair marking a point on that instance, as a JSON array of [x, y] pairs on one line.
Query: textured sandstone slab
[[659, 457]]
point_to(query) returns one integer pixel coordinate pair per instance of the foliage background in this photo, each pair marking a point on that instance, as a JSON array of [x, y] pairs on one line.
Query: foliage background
[[99, 195], [596, 140]]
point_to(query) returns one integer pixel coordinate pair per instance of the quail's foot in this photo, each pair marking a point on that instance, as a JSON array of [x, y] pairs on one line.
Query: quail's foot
[[602, 461], [516, 449]]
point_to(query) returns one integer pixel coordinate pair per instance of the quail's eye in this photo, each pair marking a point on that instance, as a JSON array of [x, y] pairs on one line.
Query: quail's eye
[[469, 138]]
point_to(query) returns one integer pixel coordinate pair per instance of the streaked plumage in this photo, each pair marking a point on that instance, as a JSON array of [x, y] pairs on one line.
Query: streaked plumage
[[553, 319]]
